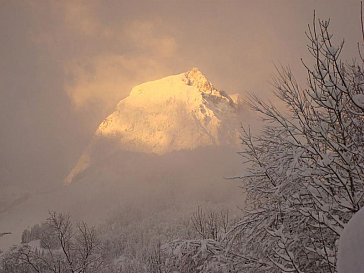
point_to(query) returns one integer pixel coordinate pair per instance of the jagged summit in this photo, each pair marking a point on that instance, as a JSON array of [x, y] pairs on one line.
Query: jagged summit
[[197, 79], [178, 112]]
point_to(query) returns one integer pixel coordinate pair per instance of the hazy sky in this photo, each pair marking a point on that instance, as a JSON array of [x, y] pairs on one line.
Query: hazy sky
[[65, 64]]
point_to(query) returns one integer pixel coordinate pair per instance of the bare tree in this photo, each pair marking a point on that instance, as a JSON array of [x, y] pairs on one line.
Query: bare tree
[[62, 249], [306, 170], [212, 224], [203, 252]]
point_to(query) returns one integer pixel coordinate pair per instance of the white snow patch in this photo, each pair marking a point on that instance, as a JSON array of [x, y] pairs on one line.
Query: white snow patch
[[351, 246], [359, 100]]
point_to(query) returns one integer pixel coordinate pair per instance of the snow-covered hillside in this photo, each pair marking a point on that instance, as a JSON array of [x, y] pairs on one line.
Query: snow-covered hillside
[[179, 112]]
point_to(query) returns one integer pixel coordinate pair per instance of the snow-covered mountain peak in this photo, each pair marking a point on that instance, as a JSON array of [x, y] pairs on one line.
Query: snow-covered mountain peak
[[178, 112], [195, 78]]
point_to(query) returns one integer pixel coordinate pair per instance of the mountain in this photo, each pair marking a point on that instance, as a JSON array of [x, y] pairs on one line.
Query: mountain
[[166, 148], [175, 113]]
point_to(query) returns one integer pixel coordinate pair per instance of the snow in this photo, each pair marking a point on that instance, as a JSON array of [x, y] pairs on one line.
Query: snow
[[35, 244], [359, 100], [178, 112], [351, 246]]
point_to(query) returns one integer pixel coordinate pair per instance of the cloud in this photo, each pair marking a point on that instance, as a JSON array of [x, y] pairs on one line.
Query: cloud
[[101, 57], [145, 36], [107, 77], [79, 15]]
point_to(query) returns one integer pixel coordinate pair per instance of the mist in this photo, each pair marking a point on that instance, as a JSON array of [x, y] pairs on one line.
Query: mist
[[65, 66]]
